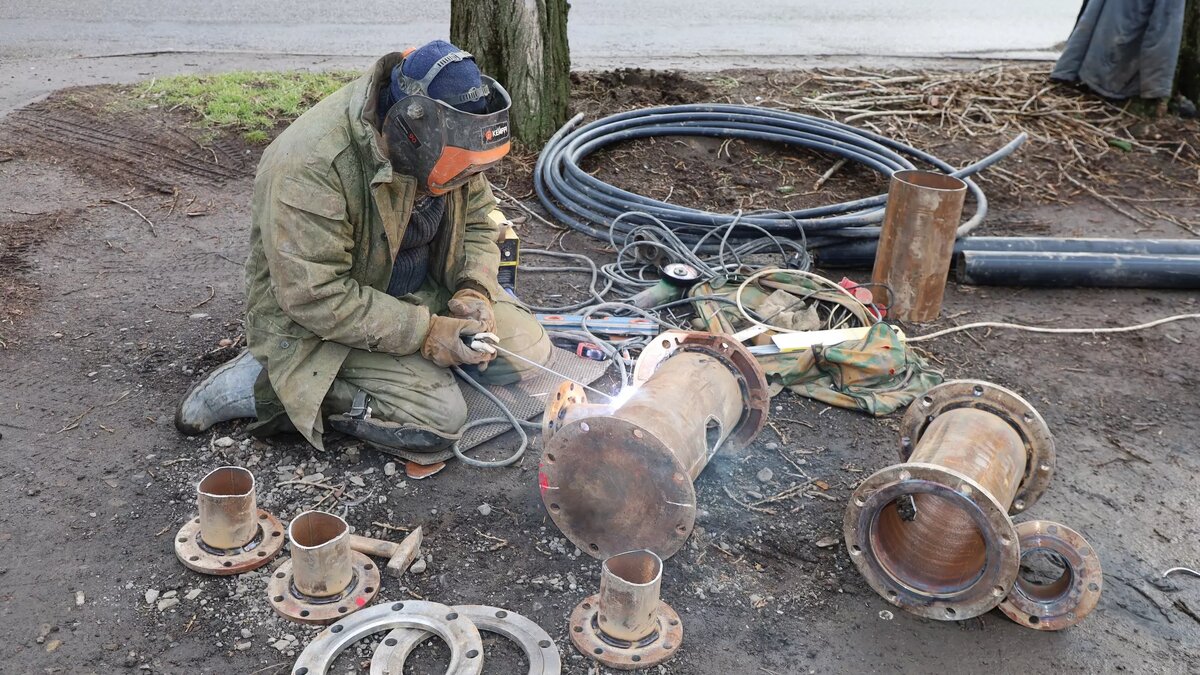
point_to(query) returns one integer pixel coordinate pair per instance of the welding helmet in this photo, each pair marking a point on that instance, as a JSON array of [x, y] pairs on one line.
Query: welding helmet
[[439, 144]]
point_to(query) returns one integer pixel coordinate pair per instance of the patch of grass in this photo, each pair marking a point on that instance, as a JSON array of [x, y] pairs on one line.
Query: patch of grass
[[252, 103]]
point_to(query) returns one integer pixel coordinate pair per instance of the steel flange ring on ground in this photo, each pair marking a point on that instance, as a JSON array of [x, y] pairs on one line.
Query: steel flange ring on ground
[[1065, 601], [652, 650], [291, 604], [1006, 404], [457, 631], [200, 557], [889, 577], [539, 648]]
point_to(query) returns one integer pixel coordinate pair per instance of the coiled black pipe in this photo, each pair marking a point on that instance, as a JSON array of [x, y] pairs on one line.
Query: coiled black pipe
[[1077, 270], [590, 205]]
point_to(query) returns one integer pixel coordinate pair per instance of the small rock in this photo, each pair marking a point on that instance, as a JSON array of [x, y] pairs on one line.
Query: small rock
[[827, 542], [281, 645], [170, 594], [167, 603], [223, 442], [224, 342], [389, 469], [356, 480], [242, 646], [53, 644], [484, 509], [79, 599], [419, 566], [754, 495], [198, 316], [765, 475], [246, 633], [771, 445], [886, 615], [193, 594]]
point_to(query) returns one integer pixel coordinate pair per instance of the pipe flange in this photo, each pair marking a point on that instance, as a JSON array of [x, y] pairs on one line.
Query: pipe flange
[[1002, 554], [1065, 601], [652, 650], [1006, 404], [200, 557], [291, 604], [756, 395], [569, 394], [466, 647], [539, 648]]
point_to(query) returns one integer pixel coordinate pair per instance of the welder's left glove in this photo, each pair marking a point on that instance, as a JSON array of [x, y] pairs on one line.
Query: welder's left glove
[[469, 303]]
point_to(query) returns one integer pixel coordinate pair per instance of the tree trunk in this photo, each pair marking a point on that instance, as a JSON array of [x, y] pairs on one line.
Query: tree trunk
[[1187, 77], [523, 45]]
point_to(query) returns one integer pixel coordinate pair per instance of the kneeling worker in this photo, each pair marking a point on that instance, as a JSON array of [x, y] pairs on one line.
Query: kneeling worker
[[373, 261]]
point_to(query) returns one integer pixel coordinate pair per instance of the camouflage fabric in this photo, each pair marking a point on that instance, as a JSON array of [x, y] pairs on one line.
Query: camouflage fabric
[[876, 374]]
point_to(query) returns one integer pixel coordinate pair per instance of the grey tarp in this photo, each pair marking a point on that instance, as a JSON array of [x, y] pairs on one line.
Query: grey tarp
[[1124, 48]]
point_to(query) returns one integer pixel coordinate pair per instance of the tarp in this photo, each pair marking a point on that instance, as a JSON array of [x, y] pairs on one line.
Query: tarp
[[1124, 48]]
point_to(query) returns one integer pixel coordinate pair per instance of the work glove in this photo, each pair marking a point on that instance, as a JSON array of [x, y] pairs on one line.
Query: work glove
[[469, 303], [445, 346]]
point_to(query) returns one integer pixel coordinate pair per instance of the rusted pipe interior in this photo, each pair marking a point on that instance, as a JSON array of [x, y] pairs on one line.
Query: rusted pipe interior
[[930, 543], [321, 562], [630, 584], [1045, 576], [225, 498]]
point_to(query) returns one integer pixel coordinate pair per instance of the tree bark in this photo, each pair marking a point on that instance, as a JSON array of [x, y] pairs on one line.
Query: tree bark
[[523, 45], [1187, 77]]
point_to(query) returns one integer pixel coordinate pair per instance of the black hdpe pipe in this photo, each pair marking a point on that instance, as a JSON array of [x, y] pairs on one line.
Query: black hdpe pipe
[[861, 254], [1093, 270], [589, 205]]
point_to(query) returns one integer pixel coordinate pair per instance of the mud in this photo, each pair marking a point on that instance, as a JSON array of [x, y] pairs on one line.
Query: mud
[[118, 319]]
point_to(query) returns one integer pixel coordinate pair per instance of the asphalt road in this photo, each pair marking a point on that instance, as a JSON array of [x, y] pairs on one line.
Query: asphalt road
[[45, 46]]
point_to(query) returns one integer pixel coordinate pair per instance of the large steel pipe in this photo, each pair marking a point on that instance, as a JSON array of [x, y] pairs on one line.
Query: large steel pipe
[[916, 242], [230, 534], [932, 535], [627, 625], [618, 476], [324, 580]]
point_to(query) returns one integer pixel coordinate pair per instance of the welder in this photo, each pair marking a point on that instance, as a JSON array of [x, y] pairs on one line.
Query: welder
[[373, 261]]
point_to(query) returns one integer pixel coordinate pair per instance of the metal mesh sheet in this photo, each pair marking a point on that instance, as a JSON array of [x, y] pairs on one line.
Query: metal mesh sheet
[[527, 399]]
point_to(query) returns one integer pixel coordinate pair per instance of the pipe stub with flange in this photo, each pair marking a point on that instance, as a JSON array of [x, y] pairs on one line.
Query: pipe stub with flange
[[932, 535], [1068, 593], [324, 580], [627, 626], [231, 534], [1005, 404], [618, 476]]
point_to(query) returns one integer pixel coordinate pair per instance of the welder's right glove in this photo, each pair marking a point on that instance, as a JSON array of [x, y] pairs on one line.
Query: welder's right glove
[[445, 346]]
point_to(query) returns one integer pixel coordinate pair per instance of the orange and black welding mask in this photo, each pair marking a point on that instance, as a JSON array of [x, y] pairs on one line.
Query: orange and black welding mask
[[439, 144]]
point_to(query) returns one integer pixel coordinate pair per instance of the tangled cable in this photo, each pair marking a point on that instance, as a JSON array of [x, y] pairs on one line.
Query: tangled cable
[[589, 205]]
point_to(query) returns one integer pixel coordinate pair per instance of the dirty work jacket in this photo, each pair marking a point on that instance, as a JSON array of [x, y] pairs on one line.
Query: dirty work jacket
[[328, 217]]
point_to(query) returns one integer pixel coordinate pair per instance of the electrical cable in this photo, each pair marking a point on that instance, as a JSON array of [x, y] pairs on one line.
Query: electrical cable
[[589, 205], [1059, 331]]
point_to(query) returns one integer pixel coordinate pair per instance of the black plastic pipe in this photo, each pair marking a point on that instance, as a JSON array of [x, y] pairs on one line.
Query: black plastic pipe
[[1093, 270], [861, 254], [590, 205]]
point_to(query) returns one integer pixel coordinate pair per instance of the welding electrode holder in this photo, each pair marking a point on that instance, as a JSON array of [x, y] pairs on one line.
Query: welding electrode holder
[[231, 534], [932, 535], [619, 475]]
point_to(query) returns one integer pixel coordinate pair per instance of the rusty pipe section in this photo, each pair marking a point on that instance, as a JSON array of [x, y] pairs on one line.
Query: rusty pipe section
[[228, 508], [618, 477], [932, 534], [321, 560], [916, 242], [630, 587]]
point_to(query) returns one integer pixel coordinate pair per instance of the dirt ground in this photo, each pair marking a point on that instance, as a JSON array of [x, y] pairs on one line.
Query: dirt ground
[[121, 240]]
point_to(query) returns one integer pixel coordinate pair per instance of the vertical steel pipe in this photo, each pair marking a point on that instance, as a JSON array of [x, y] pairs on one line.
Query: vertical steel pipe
[[228, 510], [321, 562], [630, 584], [618, 477], [916, 242], [932, 534]]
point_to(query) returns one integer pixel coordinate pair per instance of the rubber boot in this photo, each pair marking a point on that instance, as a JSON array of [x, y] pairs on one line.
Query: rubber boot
[[226, 394], [414, 442]]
